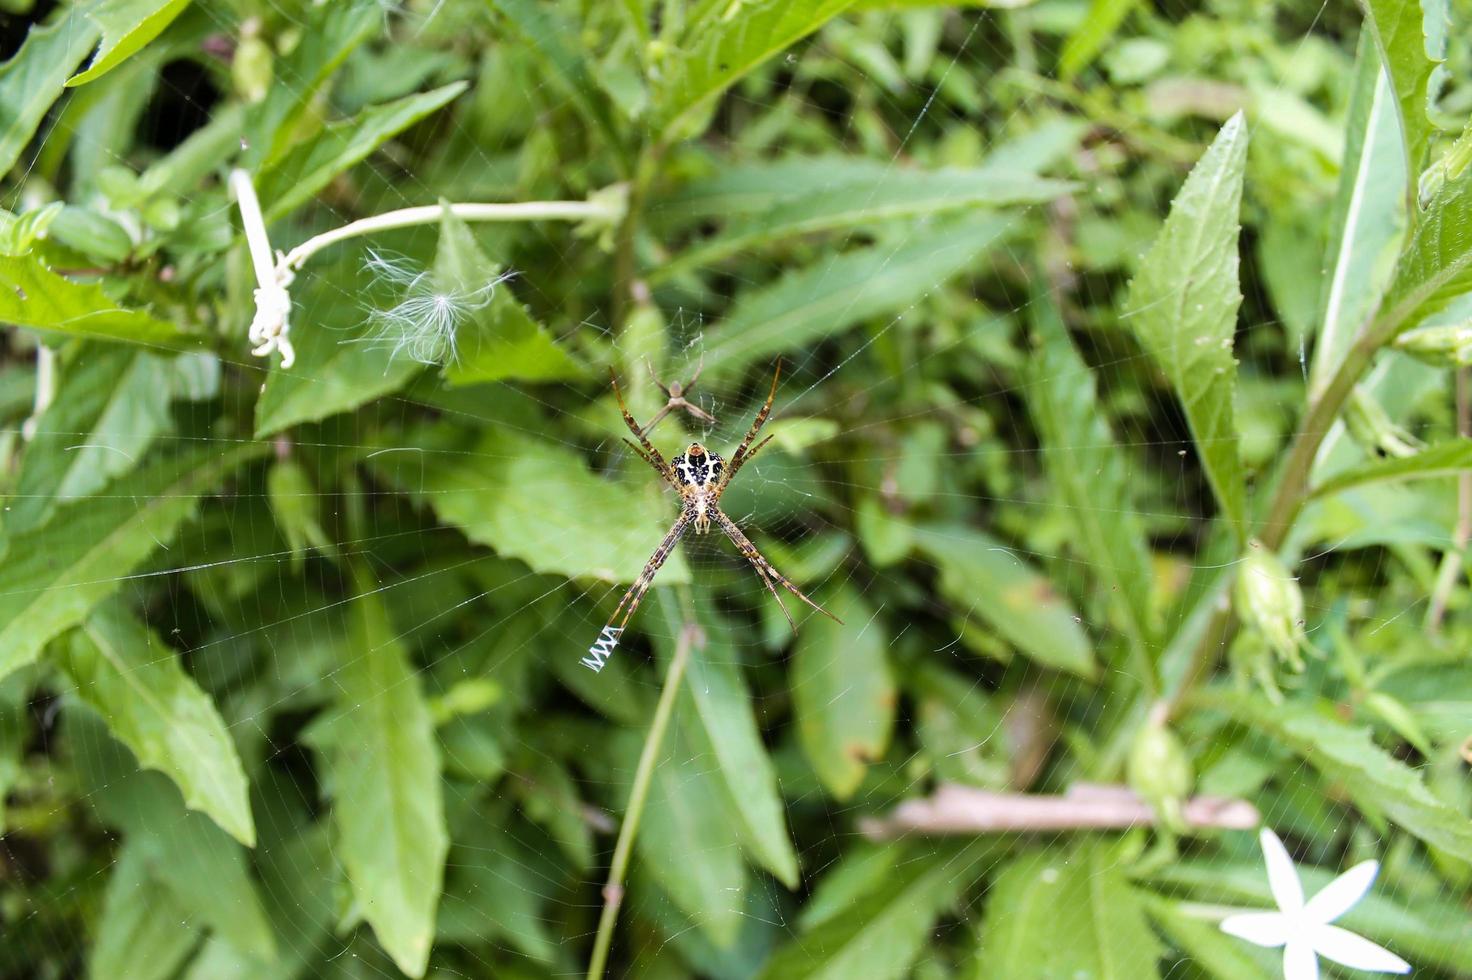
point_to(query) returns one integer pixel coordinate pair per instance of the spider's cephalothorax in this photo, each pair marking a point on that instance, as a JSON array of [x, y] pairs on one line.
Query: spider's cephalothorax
[[700, 476], [699, 473]]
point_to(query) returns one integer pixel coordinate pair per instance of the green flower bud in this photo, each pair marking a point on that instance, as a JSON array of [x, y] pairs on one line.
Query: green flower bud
[[1270, 602], [1444, 346], [252, 67], [1159, 770]]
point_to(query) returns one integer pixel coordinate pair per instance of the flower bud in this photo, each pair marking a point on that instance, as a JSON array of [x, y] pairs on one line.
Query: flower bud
[[1160, 771], [1270, 602], [1443, 346], [252, 66]]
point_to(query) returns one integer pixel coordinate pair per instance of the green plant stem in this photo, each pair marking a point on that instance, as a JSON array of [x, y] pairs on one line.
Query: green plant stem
[[1291, 492], [1451, 562], [613, 889]]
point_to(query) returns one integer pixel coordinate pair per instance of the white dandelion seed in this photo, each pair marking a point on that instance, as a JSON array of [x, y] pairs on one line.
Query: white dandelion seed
[[1303, 928], [423, 325]]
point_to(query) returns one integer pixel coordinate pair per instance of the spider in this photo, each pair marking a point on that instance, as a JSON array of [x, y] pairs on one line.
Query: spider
[[699, 476]]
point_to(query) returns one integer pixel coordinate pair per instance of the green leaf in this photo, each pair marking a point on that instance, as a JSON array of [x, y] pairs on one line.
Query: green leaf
[[126, 26], [1432, 930], [34, 296], [1398, 28], [1093, 32], [729, 48], [494, 892], [833, 295], [532, 500], [723, 709], [499, 340], [886, 195], [688, 838], [843, 692], [152, 706], [310, 166], [14, 731], [1089, 474], [1211, 950], [18, 232], [1377, 782], [1056, 914], [879, 935], [186, 852], [34, 78], [52, 577], [336, 369], [145, 930], [1436, 265], [1447, 459], [984, 578], [110, 406], [1368, 216], [383, 776], [329, 34], [557, 46], [1183, 307]]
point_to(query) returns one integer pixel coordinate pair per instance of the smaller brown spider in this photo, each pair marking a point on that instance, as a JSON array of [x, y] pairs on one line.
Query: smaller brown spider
[[699, 476]]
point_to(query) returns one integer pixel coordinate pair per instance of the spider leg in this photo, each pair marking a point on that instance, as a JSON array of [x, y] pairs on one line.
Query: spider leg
[[634, 426], [764, 567], [608, 636], [762, 574], [741, 455]]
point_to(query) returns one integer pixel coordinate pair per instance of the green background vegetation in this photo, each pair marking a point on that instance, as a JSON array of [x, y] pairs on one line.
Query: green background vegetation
[[1100, 428]]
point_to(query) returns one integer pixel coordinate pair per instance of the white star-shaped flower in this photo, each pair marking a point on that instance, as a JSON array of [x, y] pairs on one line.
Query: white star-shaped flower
[[1303, 929]]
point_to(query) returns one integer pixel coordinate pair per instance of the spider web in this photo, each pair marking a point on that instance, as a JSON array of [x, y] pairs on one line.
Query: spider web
[[914, 420]]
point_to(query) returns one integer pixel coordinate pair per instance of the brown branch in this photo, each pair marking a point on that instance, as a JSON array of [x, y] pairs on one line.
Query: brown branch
[[956, 809]]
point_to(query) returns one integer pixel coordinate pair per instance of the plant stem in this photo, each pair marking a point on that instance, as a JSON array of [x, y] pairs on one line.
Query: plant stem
[[1451, 562], [613, 890], [430, 213]]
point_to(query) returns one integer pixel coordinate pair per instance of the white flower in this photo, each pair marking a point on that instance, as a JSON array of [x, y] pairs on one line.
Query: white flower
[[272, 321], [1303, 928]]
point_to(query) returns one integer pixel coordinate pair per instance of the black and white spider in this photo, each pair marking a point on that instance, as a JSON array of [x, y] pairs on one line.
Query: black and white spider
[[699, 476]]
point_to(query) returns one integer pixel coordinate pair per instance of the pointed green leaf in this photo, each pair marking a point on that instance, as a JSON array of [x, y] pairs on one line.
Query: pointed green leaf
[[729, 47], [34, 79], [186, 852], [843, 692], [1089, 474], [1448, 459], [1348, 755], [835, 294], [1398, 27], [152, 706], [689, 839], [111, 403], [982, 577], [723, 707], [52, 577], [1368, 215], [34, 296], [1062, 914], [532, 500], [499, 340], [308, 167], [1093, 32], [887, 195], [1183, 307], [1213, 951], [383, 776], [126, 26], [879, 935]]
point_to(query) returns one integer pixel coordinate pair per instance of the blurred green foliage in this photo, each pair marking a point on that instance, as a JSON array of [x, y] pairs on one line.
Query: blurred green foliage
[[1071, 298]]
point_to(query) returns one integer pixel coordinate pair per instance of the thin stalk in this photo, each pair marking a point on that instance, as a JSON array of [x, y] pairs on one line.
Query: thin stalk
[[1451, 562], [431, 213], [613, 889], [45, 390]]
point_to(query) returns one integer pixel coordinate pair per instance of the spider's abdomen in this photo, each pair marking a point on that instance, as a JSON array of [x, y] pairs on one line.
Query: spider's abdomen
[[697, 467]]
